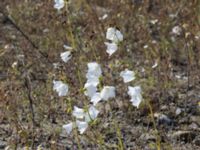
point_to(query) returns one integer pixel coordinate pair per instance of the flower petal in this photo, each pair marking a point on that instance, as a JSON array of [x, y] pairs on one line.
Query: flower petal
[[78, 113], [96, 98], [60, 88], [107, 92], [132, 91], [127, 75], [94, 69], [59, 4], [68, 127], [90, 89], [135, 94], [91, 114], [111, 48], [92, 80], [65, 56], [82, 126], [136, 100], [114, 35], [93, 73]]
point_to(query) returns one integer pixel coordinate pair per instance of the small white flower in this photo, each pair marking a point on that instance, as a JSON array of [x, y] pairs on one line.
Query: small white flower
[[90, 90], [59, 4], [135, 94], [94, 69], [96, 98], [136, 100], [127, 75], [177, 30], [60, 88], [68, 127], [91, 114], [78, 113], [92, 80], [114, 35], [67, 47], [107, 92], [82, 126], [65, 56], [111, 48], [132, 91], [93, 73]]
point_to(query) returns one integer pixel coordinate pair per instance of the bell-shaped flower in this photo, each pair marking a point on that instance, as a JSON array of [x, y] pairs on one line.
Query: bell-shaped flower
[[114, 35], [90, 90], [135, 94], [92, 80], [107, 92], [60, 88], [96, 98], [127, 75], [111, 48], [91, 114], [94, 69], [65, 56], [82, 126], [136, 100], [93, 73], [59, 4], [68, 127], [78, 113], [132, 91]]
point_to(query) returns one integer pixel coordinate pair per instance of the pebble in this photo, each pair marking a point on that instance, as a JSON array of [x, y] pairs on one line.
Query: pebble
[[2, 144], [178, 111], [185, 136], [163, 119]]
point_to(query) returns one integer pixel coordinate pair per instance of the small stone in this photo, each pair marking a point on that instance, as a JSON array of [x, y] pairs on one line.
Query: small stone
[[185, 136], [163, 119], [13, 37], [178, 111], [197, 141], [46, 30], [176, 30], [193, 126], [147, 137], [2, 144], [195, 119], [164, 107]]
